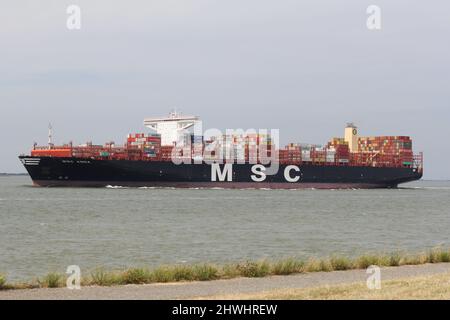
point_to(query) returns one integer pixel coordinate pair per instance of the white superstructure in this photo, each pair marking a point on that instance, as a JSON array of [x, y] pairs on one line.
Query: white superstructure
[[174, 128]]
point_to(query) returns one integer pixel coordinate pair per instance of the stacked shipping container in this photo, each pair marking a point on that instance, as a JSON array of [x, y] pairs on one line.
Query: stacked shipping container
[[149, 144], [292, 153], [341, 148], [400, 146], [386, 151]]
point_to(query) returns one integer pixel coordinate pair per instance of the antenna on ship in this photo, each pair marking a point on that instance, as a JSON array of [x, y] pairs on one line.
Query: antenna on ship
[[50, 136], [174, 113]]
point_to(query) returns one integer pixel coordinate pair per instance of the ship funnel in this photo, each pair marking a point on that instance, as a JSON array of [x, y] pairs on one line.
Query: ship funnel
[[351, 136]]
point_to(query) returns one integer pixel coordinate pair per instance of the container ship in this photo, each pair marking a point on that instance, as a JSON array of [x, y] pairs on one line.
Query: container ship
[[172, 154]]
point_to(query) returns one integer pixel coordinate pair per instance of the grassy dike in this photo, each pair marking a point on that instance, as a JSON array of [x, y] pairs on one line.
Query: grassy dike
[[416, 288], [251, 269]]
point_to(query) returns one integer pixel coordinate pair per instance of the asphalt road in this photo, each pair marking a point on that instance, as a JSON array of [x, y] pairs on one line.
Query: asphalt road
[[187, 290]]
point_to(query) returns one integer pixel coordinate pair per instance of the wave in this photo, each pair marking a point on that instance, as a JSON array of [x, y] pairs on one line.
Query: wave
[[264, 189], [115, 187], [135, 187], [425, 188]]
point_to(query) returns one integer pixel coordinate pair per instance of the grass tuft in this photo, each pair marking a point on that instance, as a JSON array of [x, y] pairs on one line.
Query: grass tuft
[[52, 280], [205, 272], [288, 266], [414, 259], [445, 256], [101, 277], [181, 273], [251, 269], [162, 274], [230, 271], [438, 255], [340, 263], [395, 259], [316, 265], [2, 281], [136, 276], [366, 261]]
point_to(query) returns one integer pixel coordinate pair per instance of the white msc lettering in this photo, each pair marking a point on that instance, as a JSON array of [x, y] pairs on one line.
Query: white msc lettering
[[226, 173], [258, 173], [287, 173]]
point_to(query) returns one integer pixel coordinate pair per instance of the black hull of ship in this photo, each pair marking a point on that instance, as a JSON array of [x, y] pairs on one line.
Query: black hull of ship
[[78, 172]]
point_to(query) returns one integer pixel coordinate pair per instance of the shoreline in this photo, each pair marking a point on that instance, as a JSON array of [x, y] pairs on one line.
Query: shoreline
[[248, 269], [428, 281]]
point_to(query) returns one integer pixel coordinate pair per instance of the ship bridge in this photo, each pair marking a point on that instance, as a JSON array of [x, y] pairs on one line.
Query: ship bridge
[[174, 128]]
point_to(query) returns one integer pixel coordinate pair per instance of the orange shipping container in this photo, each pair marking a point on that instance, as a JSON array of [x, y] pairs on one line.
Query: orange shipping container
[[52, 153]]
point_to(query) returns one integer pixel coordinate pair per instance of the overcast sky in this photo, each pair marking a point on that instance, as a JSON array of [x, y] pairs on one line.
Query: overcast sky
[[305, 67]]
